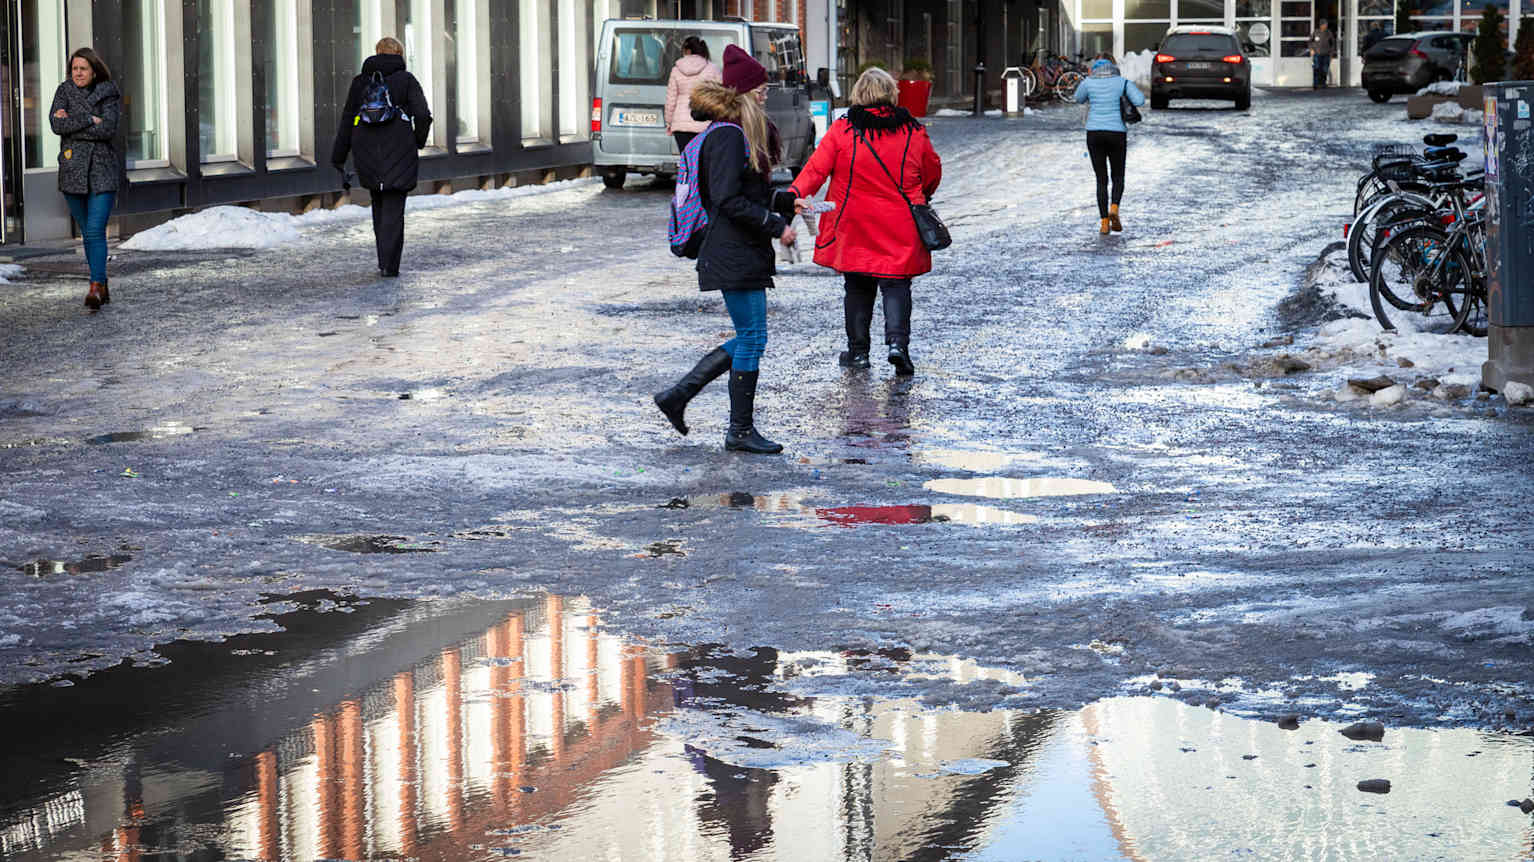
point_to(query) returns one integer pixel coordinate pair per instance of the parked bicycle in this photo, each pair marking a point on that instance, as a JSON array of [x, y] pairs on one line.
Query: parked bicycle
[[1053, 76]]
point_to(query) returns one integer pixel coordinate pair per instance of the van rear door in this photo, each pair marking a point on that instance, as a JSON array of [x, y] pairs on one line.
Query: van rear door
[[639, 58]]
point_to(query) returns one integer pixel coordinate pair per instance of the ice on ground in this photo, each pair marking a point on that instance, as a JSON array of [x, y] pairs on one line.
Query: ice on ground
[[971, 765], [9, 271], [1448, 358], [239, 227], [1451, 112], [758, 740], [1136, 68]]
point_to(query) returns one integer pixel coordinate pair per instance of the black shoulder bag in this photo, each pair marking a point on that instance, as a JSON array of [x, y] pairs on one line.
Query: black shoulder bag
[[1127, 110], [929, 228]]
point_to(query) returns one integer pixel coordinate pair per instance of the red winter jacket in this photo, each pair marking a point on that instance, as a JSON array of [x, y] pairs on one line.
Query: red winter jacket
[[871, 231]]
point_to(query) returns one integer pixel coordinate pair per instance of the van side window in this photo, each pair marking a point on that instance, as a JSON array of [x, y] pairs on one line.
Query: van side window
[[779, 51]]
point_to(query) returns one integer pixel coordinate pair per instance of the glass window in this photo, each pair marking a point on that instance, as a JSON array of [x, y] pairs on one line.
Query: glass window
[[45, 62], [369, 28], [535, 62], [1200, 43], [1254, 8], [1097, 9], [573, 74], [280, 65], [1143, 36], [1096, 39], [412, 18], [217, 124], [143, 81], [1159, 9], [1201, 10], [645, 56], [466, 47], [1294, 48], [1256, 38], [1474, 7], [1425, 24]]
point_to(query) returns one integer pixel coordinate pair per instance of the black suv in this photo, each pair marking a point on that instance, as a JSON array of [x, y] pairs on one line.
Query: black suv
[[1201, 62], [1410, 61]]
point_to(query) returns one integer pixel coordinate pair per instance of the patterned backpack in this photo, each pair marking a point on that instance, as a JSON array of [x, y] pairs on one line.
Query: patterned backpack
[[377, 106], [689, 220]]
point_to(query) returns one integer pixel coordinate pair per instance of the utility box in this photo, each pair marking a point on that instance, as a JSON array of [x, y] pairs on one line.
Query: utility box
[[1016, 98], [1509, 129]]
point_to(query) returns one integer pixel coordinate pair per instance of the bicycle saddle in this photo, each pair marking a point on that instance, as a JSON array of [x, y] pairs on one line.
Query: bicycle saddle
[[1445, 154], [1439, 139]]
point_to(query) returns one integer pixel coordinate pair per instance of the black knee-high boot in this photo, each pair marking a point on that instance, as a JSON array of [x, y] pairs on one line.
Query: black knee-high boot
[[743, 436], [673, 401]]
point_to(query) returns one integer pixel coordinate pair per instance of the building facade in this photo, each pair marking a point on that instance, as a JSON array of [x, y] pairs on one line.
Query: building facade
[[238, 101]]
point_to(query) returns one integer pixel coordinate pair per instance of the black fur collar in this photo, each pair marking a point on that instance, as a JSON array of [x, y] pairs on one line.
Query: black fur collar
[[881, 118]]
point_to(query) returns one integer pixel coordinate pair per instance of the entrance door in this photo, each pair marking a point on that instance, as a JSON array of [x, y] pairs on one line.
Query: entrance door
[[1293, 43]]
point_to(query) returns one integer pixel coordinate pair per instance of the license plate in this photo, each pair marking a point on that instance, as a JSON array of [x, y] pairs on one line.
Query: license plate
[[636, 118], [1200, 67]]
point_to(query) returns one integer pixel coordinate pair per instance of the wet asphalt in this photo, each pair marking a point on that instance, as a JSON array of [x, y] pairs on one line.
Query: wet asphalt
[[1040, 497]]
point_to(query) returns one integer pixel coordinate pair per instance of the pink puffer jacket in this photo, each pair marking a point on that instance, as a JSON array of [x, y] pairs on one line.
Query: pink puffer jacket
[[688, 72]]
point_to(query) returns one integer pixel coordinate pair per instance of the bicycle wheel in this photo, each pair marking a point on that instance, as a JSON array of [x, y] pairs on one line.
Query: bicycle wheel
[[1425, 280], [1028, 83], [1066, 84], [1369, 188], [1365, 230]]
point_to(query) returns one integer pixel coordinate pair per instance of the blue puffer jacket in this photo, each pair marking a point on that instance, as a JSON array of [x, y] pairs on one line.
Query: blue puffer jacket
[[1101, 91]]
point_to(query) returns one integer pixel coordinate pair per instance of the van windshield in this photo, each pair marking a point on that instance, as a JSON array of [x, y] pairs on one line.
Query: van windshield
[[645, 55]]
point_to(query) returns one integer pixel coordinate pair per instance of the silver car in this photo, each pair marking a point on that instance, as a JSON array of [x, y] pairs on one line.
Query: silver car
[[634, 60]]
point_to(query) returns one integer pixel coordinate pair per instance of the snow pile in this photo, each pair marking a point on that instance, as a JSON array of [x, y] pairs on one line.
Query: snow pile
[[1136, 67], [994, 112], [1441, 88], [1451, 112], [219, 227], [239, 227], [9, 271]]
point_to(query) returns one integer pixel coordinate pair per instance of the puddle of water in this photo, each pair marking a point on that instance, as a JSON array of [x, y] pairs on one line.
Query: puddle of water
[[89, 565], [974, 461], [789, 509], [1004, 488], [484, 730], [368, 544], [160, 432]]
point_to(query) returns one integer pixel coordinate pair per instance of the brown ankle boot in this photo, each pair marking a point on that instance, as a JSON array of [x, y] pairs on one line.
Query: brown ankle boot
[[1103, 227], [106, 293], [1113, 218], [93, 297]]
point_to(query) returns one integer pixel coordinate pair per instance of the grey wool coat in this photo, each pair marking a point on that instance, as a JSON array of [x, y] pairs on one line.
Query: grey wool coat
[[89, 162]]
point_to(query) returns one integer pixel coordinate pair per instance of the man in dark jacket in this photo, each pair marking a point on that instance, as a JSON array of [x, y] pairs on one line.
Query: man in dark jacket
[[385, 153]]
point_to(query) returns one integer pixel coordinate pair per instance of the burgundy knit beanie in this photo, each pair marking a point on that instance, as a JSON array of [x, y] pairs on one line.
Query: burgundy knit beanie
[[742, 73]]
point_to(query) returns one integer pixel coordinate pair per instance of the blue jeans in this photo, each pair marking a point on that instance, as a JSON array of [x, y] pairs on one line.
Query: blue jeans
[[748, 311], [91, 212], [1320, 69]]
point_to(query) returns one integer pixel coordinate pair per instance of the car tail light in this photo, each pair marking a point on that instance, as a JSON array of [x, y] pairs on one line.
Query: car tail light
[[596, 114], [1165, 58], [1416, 52], [1234, 58]]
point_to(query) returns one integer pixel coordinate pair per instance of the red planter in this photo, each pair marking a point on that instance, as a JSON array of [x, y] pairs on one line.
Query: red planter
[[914, 96]]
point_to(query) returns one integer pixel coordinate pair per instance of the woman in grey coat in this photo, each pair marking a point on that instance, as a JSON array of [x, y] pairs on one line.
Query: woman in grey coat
[[85, 113]]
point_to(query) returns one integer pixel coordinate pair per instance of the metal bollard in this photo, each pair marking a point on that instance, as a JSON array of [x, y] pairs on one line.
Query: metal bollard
[[979, 89], [1509, 143]]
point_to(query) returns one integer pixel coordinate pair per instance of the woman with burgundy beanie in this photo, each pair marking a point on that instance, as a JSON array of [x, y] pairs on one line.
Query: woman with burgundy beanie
[[744, 216], [879, 161]]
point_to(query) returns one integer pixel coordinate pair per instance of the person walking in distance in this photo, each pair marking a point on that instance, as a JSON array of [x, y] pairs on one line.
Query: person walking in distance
[[85, 112], [691, 69], [1107, 135], [736, 257], [384, 122], [1322, 43], [877, 158]]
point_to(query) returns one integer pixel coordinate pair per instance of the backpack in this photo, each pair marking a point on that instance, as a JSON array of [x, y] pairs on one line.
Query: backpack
[[377, 105], [689, 220]]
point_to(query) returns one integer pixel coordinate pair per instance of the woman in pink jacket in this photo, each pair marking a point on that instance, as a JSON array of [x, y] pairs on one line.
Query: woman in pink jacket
[[691, 69]]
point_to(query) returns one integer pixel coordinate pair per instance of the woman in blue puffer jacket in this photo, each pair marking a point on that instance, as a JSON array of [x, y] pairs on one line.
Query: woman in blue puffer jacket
[[1107, 136]]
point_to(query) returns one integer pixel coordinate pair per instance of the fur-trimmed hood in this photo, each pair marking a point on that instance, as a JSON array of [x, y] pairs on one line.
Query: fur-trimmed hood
[[878, 119], [714, 102]]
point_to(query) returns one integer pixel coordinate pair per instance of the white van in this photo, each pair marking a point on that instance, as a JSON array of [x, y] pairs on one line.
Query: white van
[[634, 60]]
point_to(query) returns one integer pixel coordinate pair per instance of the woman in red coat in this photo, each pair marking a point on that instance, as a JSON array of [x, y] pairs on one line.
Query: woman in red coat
[[870, 238]]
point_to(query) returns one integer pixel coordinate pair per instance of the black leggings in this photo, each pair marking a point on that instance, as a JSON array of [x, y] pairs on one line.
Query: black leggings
[[1106, 147], [858, 308]]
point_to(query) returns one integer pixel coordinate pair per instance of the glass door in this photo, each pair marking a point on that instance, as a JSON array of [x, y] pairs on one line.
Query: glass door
[[10, 140], [1295, 17]]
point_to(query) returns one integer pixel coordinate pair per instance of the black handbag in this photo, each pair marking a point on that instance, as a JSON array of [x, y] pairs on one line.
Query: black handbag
[[929, 228], [1127, 110]]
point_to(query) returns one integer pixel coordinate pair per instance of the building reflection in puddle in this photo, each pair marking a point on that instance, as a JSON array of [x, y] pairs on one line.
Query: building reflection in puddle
[[1004, 488], [547, 737], [790, 509]]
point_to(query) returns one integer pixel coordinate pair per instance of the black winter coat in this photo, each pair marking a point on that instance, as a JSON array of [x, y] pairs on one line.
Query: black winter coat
[[744, 216], [89, 161], [385, 156]]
